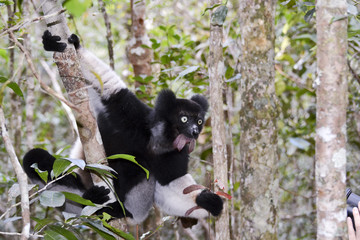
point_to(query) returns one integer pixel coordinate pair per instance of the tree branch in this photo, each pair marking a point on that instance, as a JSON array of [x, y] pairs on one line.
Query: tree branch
[[21, 176]]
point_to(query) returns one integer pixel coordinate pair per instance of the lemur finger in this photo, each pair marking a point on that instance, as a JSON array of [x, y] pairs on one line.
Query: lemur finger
[[74, 39]]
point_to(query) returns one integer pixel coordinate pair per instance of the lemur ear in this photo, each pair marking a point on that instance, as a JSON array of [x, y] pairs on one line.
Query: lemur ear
[[201, 100], [165, 102]]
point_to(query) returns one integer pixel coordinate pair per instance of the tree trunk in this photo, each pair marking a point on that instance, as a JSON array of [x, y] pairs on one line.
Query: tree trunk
[[258, 141], [139, 56], [72, 78], [216, 78], [331, 118]]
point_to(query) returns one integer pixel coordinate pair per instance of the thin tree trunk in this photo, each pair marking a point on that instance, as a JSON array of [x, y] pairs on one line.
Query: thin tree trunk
[[139, 56], [216, 78], [331, 118], [21, 176], [109, 37], [30, 98], [258, 140]]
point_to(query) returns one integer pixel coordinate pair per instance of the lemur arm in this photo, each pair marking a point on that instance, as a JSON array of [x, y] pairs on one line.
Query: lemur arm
[[96, 71], [98, 74], [173, 200]]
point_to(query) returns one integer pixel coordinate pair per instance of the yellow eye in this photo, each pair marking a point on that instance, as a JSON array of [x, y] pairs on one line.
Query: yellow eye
[[200, 121], [184, 119]]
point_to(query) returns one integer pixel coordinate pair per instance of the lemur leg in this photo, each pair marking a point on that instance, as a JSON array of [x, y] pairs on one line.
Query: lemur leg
[[172, 200], [99, 74]]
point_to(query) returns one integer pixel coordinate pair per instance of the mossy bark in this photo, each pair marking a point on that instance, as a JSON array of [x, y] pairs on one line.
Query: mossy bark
[[331, 106], [258, 142]]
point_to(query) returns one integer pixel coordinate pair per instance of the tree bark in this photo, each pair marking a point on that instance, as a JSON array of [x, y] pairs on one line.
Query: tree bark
[[331, 118], [258, 140], [21, 176], [216, 78], [72, 78], [109, 37], [139, 57]]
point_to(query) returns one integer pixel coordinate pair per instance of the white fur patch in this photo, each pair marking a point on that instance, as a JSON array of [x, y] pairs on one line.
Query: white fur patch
[[99, 74], [171, 199], [140, 199]]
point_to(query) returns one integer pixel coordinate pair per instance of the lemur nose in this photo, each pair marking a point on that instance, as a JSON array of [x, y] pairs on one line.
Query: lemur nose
[[195, 131]]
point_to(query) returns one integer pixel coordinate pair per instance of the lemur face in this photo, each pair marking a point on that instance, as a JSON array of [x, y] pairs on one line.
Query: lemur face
[[189, 126], [183, 118]]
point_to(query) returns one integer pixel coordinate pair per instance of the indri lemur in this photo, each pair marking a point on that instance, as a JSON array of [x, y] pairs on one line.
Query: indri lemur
[[160, 138]]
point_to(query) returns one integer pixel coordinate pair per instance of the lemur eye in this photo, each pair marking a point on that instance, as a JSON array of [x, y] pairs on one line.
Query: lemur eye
[[184, 119], [200, 121]]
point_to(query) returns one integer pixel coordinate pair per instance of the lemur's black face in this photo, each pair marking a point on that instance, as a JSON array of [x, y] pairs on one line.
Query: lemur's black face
[[177, 122], [188, 125]]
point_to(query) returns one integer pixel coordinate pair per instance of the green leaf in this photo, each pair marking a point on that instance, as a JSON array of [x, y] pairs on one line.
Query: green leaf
[[77, 162], [52, 235], [131, 159], [42, 174], [3, 79], [16, 89], [309, 14], [41, 223], [101, 169], [63, 232], [76, 198], [4, 55], [52, 199], [120, 233], [6, 2], [229, 72], [59, 166], [100, 229], [210, 8], [99, 79], [187, 71], [165, 59], [77, 7]]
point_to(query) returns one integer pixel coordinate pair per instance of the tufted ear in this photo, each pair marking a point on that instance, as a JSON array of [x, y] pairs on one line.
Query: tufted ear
[[201, 100], [165, 102]]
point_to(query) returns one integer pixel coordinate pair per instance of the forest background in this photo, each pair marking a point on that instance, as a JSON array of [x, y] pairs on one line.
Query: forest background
[[179, 33]]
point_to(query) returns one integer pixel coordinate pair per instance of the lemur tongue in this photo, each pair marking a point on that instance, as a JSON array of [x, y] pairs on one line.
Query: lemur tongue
[[180, 142]]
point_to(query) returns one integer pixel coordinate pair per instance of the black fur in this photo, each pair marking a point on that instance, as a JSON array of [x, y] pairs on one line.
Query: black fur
[[51, 43], [152, 135], [46, 161], [210, 201]]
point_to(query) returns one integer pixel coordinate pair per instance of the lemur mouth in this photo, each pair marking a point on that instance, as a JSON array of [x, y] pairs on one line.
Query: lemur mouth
[[181, 140]]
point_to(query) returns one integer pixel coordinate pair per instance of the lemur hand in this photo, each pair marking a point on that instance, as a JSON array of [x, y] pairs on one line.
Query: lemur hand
[[74, 39], [51, 43]]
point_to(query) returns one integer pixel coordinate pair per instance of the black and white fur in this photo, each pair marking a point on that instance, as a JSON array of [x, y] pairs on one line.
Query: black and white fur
[[160, 138]]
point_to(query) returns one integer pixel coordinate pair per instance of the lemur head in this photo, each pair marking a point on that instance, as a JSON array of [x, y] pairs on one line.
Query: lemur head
[[177, 122]]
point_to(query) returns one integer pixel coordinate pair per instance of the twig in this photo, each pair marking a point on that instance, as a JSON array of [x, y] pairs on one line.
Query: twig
[[19, 234], [57, 88], [28, 21], [108, 34], [37, 76], [35, 193], [21, 176], [352, 71]]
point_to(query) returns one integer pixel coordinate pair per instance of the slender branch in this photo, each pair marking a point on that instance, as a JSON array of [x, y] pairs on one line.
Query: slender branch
[[35, 193], [19, 234], [108, 34], [36, 74], [352, 71], [28, 21], [57, 88], [21, 176]]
